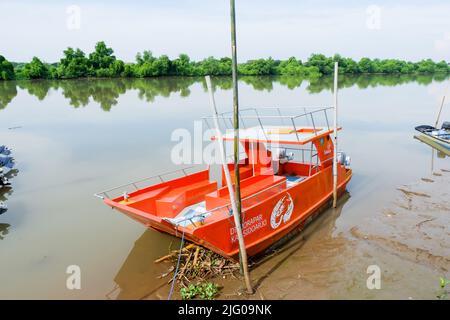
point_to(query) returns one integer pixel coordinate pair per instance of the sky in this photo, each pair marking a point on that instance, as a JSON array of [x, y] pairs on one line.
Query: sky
[[410, 30]]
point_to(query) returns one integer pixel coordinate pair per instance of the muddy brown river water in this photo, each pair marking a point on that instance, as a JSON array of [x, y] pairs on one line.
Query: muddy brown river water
[[73, 138]]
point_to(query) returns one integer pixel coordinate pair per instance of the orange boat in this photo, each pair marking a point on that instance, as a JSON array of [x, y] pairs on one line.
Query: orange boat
[[279, 194]]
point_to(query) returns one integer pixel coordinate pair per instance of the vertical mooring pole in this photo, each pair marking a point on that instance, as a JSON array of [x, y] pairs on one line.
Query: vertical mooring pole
[[234, 72], [439, 112], [237, 221], [335, 125], [237, 178]]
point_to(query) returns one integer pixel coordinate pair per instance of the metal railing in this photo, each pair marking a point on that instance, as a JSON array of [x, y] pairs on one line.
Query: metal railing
[[259, 117], [135, 184]]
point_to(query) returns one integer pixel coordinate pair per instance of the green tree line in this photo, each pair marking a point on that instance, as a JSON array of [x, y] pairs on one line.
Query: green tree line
[[102, 63]]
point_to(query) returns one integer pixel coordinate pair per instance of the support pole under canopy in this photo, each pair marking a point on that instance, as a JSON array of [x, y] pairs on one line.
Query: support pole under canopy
[[335, 138]]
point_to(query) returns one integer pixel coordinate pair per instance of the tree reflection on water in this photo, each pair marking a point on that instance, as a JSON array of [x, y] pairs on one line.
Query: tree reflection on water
[[106, 92]]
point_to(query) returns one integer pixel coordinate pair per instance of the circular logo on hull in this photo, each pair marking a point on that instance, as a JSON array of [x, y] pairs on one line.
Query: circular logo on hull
[[282, 211]]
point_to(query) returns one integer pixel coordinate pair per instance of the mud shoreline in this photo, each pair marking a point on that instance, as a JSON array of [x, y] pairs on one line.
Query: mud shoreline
[[410, 237]]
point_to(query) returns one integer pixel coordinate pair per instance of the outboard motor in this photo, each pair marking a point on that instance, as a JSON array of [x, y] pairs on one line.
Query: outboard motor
[[7, 162], [4, 181], [446, 126], [284, 156], [344, 159], [3, 207], [5, 150]]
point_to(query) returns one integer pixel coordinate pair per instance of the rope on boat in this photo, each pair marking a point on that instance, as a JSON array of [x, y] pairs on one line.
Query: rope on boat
[[176, 269]]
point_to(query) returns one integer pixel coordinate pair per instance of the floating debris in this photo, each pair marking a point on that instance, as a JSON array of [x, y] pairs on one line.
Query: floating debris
[[198, 264], [413, 193], [424, 221], [173, 253]]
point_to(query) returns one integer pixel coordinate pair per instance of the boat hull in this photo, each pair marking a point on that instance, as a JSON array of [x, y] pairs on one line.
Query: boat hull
[[441, 142], [433, 144], [265, 222]]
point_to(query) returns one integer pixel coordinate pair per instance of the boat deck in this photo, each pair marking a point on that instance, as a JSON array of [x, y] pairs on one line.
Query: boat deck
[[189, 200], [194, 214]]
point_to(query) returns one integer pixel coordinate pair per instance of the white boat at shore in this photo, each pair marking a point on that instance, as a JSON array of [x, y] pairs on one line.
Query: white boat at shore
[[440, 136]]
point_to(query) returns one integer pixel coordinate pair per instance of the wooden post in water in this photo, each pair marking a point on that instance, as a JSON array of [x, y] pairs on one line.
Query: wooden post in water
[[237, 220], [335, 174], [234, 72], [237, 178]]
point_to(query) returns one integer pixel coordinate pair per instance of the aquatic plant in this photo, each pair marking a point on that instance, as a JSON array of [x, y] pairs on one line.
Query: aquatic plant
[[443, 293], [444, 282], [203, 291]]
